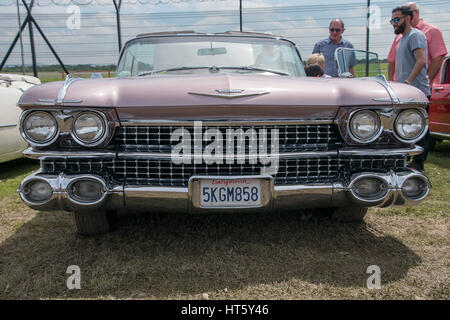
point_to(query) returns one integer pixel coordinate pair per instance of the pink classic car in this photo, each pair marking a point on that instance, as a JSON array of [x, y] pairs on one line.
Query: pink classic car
[[208, 123], [440, 105]]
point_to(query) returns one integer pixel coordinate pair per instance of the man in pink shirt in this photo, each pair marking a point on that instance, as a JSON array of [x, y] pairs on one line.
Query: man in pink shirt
[[435, 43]]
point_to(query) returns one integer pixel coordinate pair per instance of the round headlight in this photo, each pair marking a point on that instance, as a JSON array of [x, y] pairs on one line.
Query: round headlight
[[40, 127], [410, 124], [88, 127], [365, 126]]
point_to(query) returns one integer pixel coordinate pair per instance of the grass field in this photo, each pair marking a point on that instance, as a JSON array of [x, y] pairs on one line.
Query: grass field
[[257, 256]]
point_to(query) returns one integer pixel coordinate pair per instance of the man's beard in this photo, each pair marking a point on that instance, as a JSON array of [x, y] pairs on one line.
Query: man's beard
[[400, 28]]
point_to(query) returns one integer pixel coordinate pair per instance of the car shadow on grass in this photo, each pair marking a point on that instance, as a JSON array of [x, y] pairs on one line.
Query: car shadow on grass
[[160, 255], [15, 168], [440, 156]]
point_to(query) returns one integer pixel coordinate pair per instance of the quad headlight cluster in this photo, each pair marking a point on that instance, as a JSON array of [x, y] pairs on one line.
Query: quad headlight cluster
[[41, 128], [366, 126]]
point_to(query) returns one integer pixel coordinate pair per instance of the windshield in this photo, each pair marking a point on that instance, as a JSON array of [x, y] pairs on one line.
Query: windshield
[[193, 55]]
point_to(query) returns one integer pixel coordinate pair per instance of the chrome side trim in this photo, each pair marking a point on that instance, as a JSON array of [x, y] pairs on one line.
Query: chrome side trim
[[441, 135], [8, 125], [46, 102], [382, 152], [168, 156], [402, 101], [224, 122], [63, 90], [38, 154]]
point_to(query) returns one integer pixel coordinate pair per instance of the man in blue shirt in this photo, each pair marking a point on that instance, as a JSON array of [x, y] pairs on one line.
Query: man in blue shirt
[[329, 45]]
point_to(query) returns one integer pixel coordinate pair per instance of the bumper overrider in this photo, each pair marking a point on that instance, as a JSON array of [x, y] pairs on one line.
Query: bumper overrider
[[367, 188]]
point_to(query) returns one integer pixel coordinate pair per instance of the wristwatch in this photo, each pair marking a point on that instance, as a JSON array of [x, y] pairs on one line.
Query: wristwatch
[[406, 81]]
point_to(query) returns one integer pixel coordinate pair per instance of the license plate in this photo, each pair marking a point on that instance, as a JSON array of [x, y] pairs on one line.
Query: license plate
[[230, 193]]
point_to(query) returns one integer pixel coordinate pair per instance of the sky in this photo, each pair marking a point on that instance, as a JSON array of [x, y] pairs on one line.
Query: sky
[[305, 22]]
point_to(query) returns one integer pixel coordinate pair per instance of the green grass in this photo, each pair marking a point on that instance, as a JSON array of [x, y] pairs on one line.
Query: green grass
[[232, 256]]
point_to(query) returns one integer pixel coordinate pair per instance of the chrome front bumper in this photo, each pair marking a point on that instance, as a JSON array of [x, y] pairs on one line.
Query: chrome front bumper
[[185, 200]]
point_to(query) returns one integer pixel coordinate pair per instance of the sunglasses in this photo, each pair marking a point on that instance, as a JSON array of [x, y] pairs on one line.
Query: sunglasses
[[395, 20], [335, 29]]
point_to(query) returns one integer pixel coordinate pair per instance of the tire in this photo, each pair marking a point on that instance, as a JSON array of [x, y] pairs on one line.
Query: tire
[[94, 222], [349, 214]]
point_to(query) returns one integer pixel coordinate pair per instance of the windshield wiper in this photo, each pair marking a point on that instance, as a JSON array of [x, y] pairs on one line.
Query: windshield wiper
[[147, 73], [251, 68], [213, 69]]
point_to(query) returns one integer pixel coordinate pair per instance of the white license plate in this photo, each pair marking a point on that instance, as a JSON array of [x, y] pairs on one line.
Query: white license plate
[[230, 193]]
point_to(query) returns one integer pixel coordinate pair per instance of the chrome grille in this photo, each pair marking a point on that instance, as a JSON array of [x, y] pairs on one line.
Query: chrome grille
[[292, 137], [166, 173]]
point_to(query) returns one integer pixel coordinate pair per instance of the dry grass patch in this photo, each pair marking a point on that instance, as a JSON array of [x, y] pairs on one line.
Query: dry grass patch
[[254, 256]]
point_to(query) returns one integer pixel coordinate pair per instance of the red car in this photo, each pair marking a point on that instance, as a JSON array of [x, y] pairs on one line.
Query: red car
[[439, 116]]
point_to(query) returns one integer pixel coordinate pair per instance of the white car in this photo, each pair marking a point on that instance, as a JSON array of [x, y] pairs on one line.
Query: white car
[[12, 86]]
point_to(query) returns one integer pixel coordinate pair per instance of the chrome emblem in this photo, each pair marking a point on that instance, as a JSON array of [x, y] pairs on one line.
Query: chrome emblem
[[230, 91]]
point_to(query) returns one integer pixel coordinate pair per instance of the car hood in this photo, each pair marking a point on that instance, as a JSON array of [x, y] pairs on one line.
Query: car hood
[[221, 95]]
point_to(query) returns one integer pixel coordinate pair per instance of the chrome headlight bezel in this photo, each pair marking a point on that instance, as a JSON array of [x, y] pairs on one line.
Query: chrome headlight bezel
[[97, 141], [35, 143], [376, 133], [422, 133]]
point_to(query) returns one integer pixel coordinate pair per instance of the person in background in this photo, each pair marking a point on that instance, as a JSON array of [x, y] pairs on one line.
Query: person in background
[[412, 65], [316, 58], [314, 70], [270, 57], [328, 46], [435, 44]]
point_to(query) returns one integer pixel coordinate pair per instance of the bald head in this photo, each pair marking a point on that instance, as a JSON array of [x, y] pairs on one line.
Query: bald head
[[337, 20], [412, 5], [415, 9]]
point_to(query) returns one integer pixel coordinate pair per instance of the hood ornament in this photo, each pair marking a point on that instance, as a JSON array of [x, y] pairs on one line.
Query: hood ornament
[[230, 93]]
